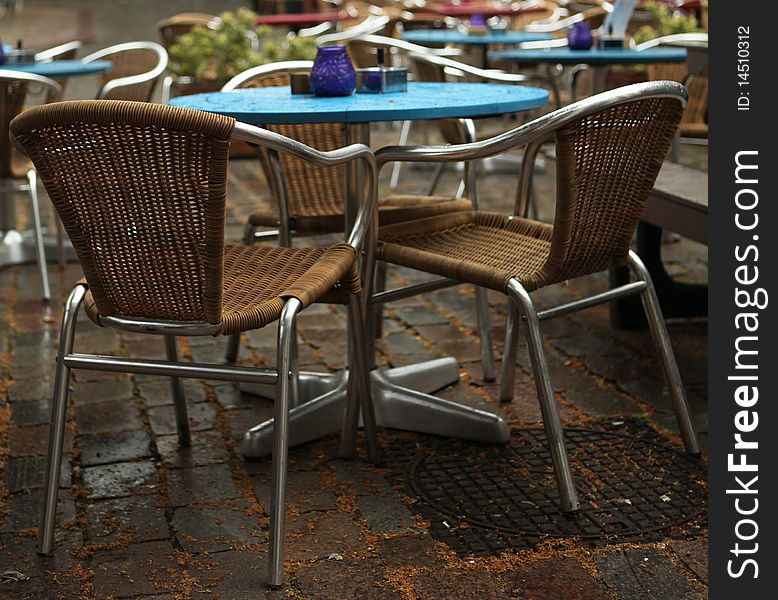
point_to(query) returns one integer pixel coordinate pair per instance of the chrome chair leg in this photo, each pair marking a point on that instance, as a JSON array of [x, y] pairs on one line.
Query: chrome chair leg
[[361, 375], [286, 328], [405, 133], [179, 398], [348, 434], [233, 344], [669, 365], [61, 258], [512, 329], [58, 418], [437, 174], [380, 285], [460, 190], [548, 405], [484, 319], [167, 85], [32, 191], [248, 234], [233, 348]]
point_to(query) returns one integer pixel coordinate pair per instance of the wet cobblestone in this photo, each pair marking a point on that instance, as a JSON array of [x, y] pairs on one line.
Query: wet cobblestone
[[146, 518]]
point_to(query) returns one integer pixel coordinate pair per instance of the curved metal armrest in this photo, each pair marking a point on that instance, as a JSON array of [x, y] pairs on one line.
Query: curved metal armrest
[[371, 24], [51, 53], [120, 82], [248, 74], [563, 23], [46, 83], [129, 81], [494, 75], [678, 39], [314, 31], [536, 130], [543, 44], [410, 47], [284, 145]]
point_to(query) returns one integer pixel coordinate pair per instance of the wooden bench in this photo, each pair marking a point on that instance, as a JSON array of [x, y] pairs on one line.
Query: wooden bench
[[678, 203]]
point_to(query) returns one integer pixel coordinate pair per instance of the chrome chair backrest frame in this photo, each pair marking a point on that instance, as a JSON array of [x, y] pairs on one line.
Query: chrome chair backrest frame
[[535, 133], [371, 24], [53, 53], [113, 87]]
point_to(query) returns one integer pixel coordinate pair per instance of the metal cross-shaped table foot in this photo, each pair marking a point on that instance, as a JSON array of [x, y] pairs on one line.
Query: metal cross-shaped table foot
[[401, 398]]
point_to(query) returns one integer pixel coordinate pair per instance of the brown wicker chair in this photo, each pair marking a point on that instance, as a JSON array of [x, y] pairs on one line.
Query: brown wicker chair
[[136, 68], [17, 173], [141, 191], [313, 203], [693, 74], [315, 195], [609, 149], [66, 51], [169, 29]]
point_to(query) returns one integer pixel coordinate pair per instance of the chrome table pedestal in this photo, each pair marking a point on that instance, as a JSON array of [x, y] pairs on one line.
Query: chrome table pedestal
[[17, 248], [401, 398]]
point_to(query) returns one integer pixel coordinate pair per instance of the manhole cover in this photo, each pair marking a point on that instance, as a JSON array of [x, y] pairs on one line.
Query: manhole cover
[[629, 486]]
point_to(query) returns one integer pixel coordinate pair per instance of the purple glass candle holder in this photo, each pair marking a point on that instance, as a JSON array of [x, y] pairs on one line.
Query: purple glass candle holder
[[332, 73], [477, 20], [579, 37]]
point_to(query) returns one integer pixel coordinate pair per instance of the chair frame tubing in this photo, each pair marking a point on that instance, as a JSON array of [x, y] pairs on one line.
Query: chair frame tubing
[[284, 376], [130, 80], [53, 89], [532, 135]]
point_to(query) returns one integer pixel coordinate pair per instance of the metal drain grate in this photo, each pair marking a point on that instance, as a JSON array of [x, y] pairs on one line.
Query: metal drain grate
[[485, 499]]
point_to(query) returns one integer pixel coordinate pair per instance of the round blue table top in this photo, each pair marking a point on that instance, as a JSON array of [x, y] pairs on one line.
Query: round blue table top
[[593, 56], [61, 68], [276, 105], [453, 36]]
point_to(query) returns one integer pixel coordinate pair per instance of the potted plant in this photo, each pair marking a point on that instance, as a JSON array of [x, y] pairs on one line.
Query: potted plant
[[663, 21], [208, 56]]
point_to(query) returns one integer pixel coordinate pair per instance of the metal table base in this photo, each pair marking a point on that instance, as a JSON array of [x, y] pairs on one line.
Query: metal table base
[[401, 398], [17, 248]]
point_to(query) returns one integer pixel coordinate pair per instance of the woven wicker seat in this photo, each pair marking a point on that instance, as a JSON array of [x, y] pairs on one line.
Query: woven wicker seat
[[259, 279], [396, 208], [609, 149], [141, 191], [485, 249]]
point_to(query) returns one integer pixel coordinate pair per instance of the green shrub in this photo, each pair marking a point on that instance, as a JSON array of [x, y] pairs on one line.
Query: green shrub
[[219, 53], [666, 22]]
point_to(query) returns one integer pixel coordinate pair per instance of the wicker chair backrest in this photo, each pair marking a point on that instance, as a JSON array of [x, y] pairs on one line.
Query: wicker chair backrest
[[170, 29], [130, 62], [607, 163], [311, 190], [13, 93], [697, 108], [140, 189]]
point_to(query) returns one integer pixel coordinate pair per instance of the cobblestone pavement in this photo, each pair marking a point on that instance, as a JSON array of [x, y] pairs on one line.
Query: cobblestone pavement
[[139, 517]]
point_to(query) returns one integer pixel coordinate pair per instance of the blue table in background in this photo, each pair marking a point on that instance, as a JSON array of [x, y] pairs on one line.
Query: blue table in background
[[61, 68], [324, 396], [600, 59], [423, 100], [439, 37]]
